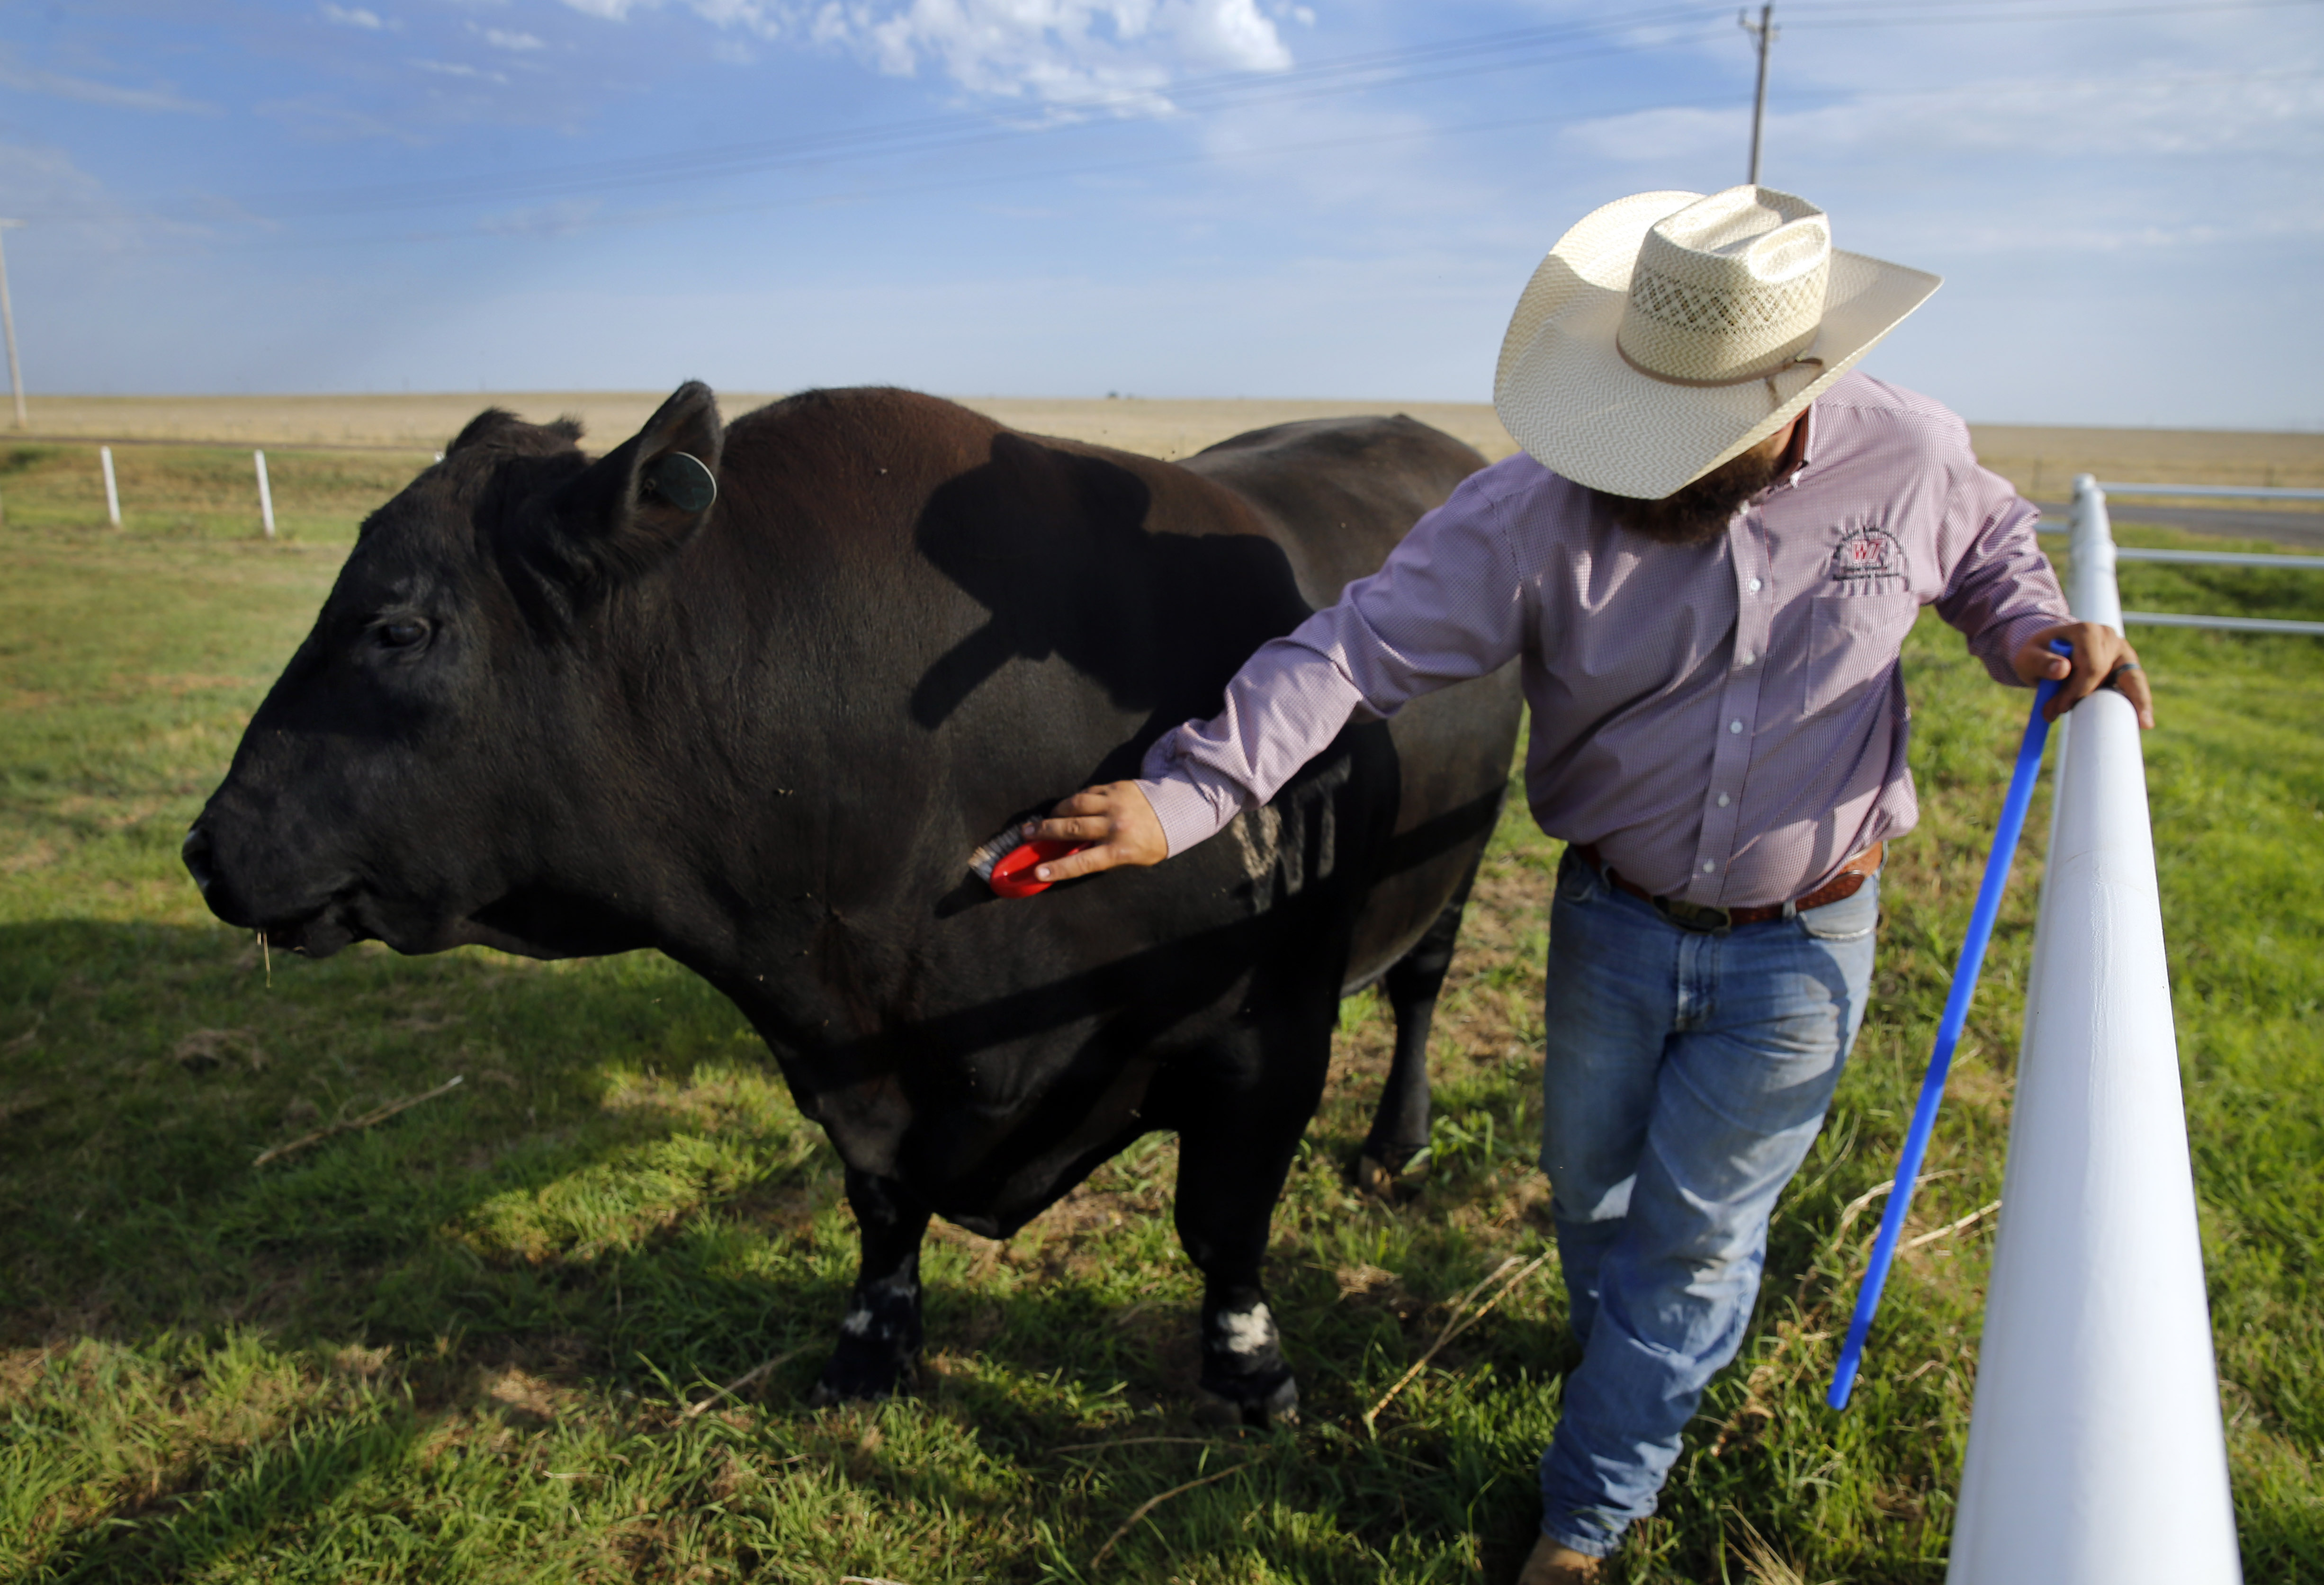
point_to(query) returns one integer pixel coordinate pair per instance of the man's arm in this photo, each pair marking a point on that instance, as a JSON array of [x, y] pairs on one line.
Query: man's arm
[[2005, 597], [1448, 604]]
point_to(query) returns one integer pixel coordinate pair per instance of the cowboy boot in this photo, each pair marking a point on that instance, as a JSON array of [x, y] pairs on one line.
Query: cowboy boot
[[1552, 1562]]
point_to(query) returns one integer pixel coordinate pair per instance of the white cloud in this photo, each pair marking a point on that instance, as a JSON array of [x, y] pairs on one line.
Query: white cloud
[[1110, 54], [320, 115], [353, 17], [501, 39], [459, 69], [2263, 111], [1378, 169], [558, 220], [72, 210], [762, 17], [55, 85], [1117, 53], [46, 182], [2271, 111]]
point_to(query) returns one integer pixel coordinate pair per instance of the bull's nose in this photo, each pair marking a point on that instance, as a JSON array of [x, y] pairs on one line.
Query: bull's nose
[[197, 854]]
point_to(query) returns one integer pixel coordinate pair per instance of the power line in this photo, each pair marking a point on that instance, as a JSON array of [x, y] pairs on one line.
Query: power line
[[665, 214], [1406, 66], [1411, 65]]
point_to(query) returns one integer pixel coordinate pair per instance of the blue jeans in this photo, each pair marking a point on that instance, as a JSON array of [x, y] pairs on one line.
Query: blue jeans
[[1686, 1075]]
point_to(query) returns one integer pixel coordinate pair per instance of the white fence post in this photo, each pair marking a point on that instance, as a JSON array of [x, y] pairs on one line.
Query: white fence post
[[2095, 1451], [112, 492], [2090, 593], [266, 495]]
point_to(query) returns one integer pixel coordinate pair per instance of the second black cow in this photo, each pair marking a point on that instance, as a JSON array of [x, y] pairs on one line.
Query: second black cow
[[564, 706]]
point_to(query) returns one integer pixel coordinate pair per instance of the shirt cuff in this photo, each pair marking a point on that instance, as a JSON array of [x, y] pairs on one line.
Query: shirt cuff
[[1192, 804]]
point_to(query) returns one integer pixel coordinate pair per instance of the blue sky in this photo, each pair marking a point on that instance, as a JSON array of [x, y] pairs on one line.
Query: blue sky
[[1167, 198]]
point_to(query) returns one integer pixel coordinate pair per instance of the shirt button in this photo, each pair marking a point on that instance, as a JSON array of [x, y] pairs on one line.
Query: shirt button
[[1745, 658], [1734, 726], [1753, 586], [1723, 800], [1708, 866]]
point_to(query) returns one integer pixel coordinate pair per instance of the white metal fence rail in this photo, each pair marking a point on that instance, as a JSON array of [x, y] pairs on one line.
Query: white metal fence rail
[[2096, 1451], [2092, 535]]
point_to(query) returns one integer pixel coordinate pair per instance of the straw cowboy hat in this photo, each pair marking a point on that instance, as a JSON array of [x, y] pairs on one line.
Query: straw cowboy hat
[[1669, 331]]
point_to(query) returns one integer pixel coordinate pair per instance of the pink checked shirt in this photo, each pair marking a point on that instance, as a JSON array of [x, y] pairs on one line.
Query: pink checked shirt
[[1726, 722]]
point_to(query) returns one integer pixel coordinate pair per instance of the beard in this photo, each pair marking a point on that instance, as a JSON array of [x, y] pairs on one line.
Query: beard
[[1697, 512]]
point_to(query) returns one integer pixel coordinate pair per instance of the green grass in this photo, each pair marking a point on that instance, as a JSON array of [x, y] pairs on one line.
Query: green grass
[[490, 1338], [200, 492]]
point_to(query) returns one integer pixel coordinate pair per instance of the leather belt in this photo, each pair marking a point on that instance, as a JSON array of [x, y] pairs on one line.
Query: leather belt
[[1696, 916]]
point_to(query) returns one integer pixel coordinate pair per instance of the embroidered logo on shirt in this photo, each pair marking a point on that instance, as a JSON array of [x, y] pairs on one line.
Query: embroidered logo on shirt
[[1867, 552]]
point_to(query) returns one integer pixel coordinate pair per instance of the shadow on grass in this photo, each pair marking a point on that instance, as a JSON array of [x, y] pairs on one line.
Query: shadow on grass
[[620, 1209], [268, 1490], [619, 1204], [151, 1064]]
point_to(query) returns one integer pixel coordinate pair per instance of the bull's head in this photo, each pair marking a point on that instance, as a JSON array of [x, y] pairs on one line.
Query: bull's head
[[441, 698]]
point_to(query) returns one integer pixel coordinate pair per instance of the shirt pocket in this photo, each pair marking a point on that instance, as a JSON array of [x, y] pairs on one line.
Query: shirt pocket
[[1853, 641]]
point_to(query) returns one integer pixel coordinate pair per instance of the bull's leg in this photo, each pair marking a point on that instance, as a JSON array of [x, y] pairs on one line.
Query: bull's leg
[[879, 1336], [1398, 1141], [1233, 1156]]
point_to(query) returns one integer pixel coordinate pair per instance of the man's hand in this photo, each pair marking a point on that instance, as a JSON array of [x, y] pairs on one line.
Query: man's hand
[[1115, 819], [2100, 655]]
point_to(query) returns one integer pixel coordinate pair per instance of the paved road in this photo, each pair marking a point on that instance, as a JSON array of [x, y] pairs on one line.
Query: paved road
[[2304, 530]]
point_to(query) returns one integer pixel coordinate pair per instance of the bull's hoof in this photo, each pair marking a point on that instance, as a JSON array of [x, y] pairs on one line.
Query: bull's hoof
[[846, 1380], [1372, 1175], [1225, 1412], [879, 1340]]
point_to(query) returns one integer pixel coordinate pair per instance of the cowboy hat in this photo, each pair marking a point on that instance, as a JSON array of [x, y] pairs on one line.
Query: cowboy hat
[[1669, 331]]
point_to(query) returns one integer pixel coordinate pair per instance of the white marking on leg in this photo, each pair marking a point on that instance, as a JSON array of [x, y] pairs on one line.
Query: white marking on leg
[[1247, 1332], [857, 1322]]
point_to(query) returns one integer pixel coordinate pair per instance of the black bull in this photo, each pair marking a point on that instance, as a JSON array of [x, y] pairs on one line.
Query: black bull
[[558, 707]]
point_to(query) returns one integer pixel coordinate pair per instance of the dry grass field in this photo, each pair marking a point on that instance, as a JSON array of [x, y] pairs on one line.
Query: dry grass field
[[423, 423], [2040, 461]]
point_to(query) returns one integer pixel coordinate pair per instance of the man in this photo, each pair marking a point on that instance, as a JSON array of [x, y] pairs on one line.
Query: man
[[1706, 560]]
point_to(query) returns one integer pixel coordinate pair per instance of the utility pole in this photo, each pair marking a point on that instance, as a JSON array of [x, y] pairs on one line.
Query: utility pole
[[1764, 32], [8, 323]]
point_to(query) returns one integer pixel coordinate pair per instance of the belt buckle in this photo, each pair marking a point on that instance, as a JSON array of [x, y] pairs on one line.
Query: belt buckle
[[1689, 916]]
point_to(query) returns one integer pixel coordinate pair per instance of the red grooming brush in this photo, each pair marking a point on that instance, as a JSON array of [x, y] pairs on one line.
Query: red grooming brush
[[1012, 876], [1006, 862]]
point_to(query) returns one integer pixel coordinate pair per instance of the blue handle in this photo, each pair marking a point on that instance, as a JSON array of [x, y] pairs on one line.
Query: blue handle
[[1949, 1029]]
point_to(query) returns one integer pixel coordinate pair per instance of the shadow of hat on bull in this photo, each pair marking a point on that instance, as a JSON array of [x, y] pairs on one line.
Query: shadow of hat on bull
[[1708, 553]]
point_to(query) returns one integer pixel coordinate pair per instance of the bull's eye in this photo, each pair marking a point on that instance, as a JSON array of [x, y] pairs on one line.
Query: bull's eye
[[401, 632]]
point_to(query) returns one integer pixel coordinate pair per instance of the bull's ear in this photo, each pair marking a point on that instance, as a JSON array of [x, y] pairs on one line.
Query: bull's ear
[[641, 499]]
